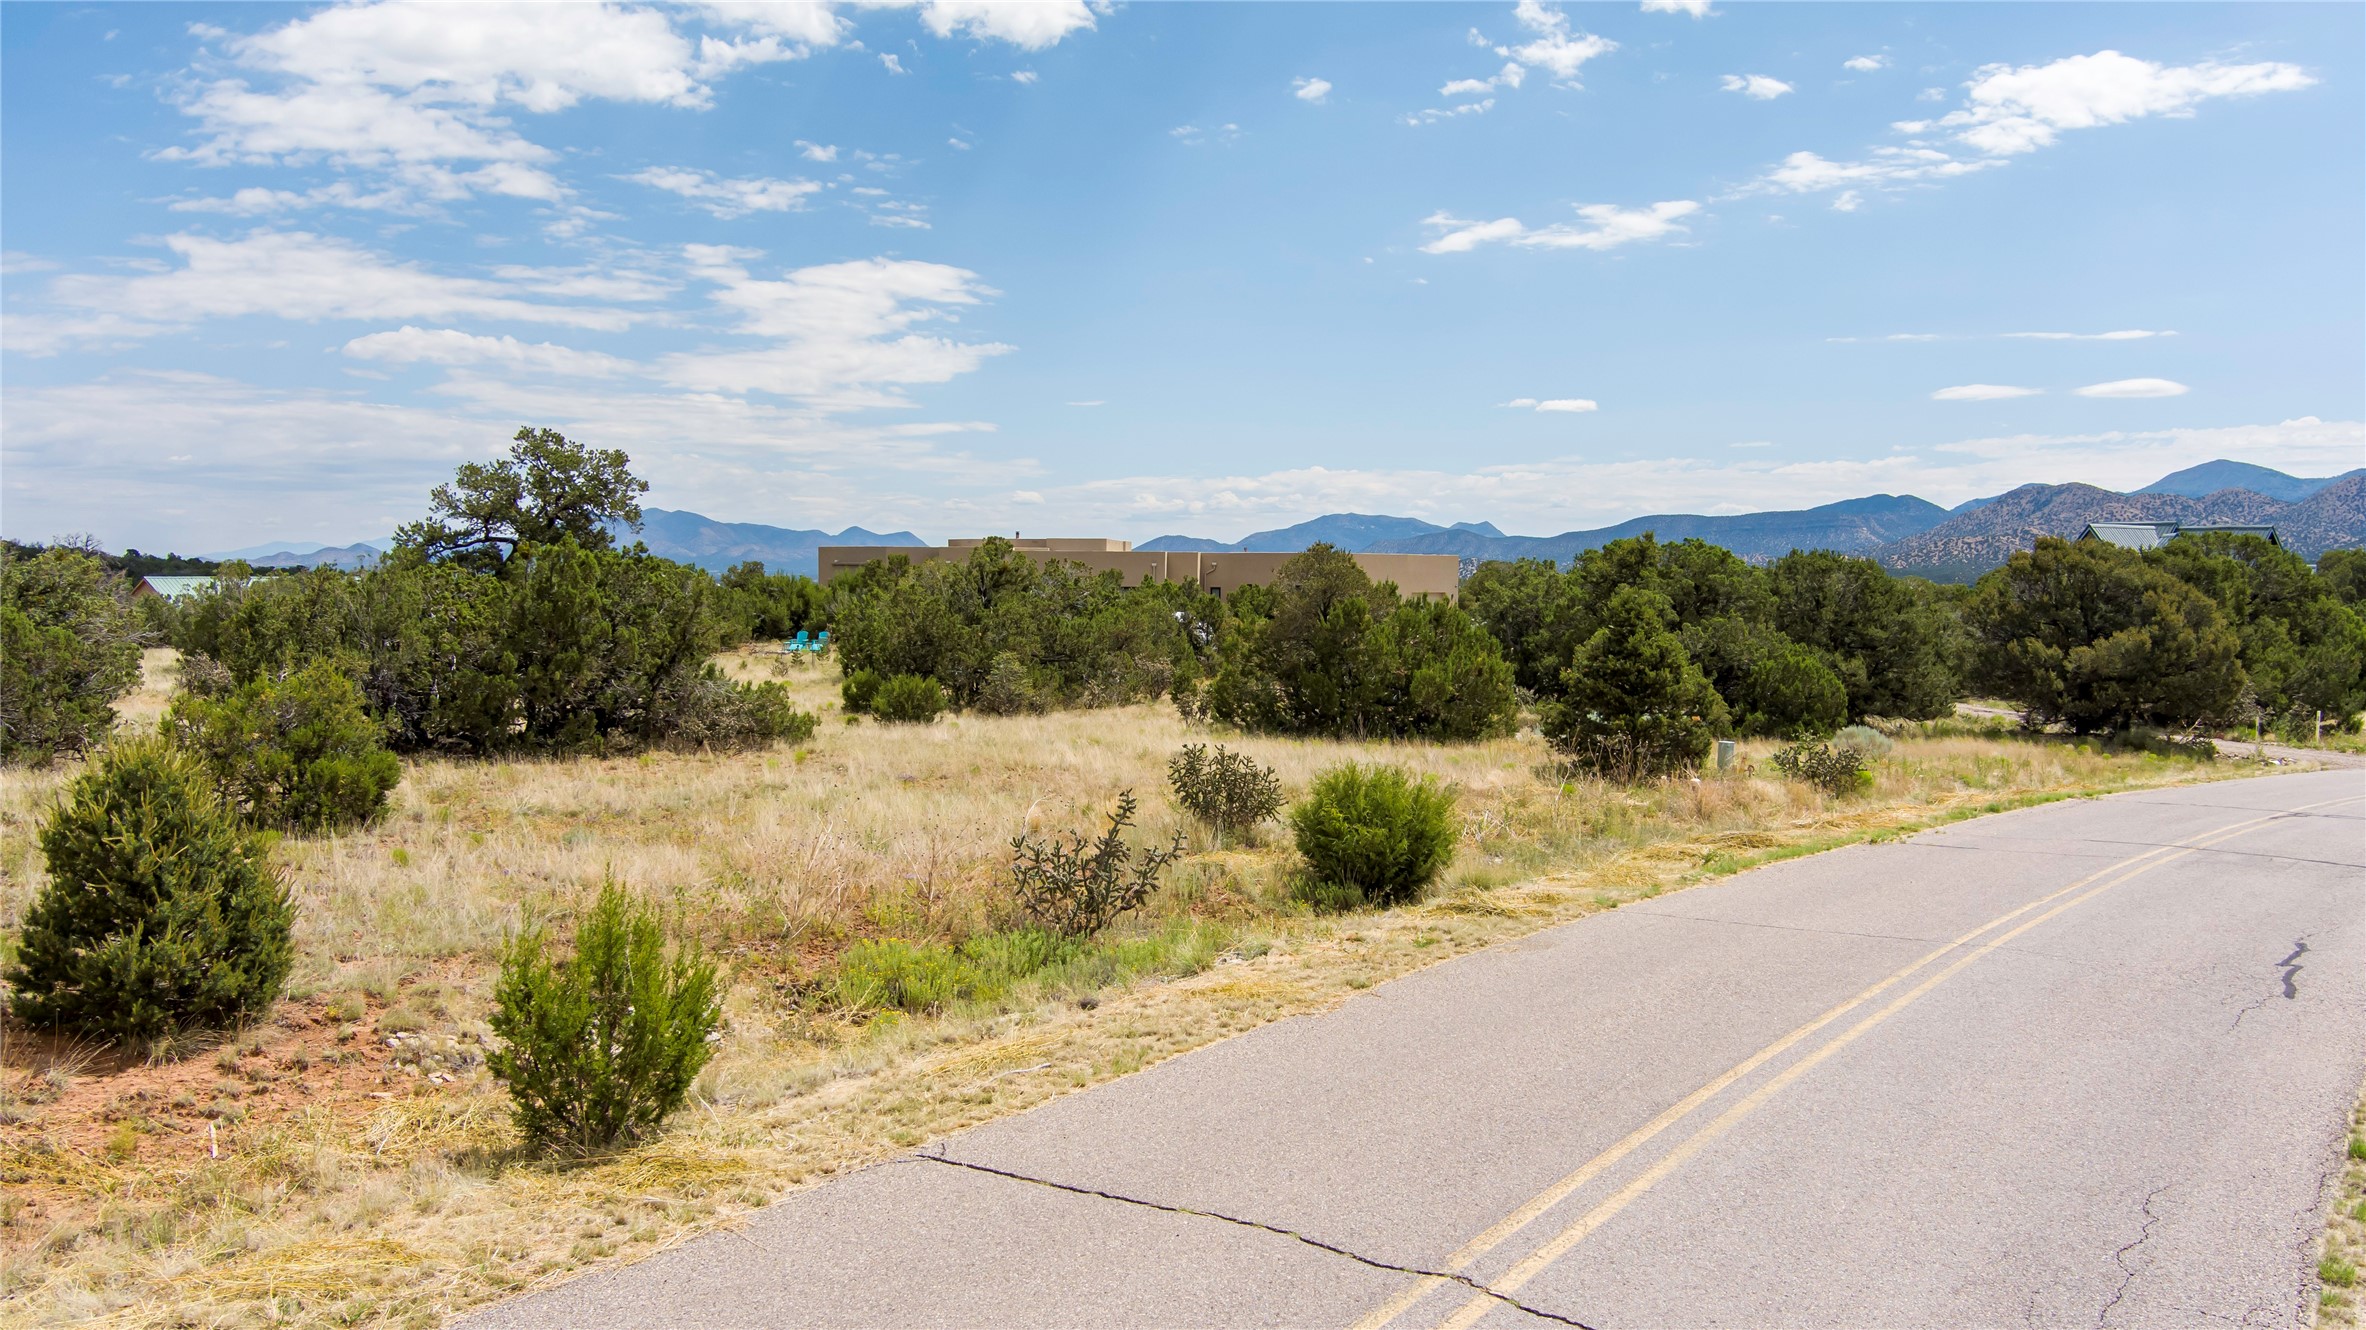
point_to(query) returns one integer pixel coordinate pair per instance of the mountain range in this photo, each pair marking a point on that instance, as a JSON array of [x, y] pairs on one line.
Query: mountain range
[[1905, 533]]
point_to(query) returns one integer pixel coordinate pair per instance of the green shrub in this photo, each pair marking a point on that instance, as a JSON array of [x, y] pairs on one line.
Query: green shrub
[[703, 709], [69, 646], [299, 753], [1869, 742], [162, 914], [908, 699], [891, 973], [1835, 769], [1020, 952], [1228, 792], [1633, 705], [600, 1046], [1007, 691], [1377, 830], [1075, 887], [858, 690]]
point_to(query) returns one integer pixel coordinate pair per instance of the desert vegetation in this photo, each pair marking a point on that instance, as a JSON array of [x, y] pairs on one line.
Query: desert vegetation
[[526, 917]]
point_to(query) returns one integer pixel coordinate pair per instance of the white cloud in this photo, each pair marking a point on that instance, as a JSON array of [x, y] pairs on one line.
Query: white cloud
[[1982, 392], [837, 335], [894, 64], [1030, 25], [1094, 402], [1025, 76], [817, 152], [2021, 109], [1848, 200], [2009, 111], [726, 197], [1435, 114], [1510, 76], [1866, 64], [449, 347], [1567, 404], [2122, 335], [1311, 89], [1757, 87], [280, 274], [2134, 388], [1555, 46], [1807, 173], [1601, 226], [1696, 8]]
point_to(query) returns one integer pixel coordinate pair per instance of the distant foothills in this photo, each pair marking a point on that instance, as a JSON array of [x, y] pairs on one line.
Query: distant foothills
[[1907, 534]]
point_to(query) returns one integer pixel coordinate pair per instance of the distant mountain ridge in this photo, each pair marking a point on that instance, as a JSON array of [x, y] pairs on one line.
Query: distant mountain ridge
[[1353, 532], [1850, 526], [1904, 532], [2332, 516], [2200, 482], [715, 546]]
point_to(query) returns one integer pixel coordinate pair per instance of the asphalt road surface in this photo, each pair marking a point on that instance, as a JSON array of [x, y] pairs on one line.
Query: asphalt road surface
[[2088, 1064]]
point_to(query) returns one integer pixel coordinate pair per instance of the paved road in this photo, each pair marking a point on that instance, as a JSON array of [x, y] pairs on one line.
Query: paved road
[[2035, 1069]]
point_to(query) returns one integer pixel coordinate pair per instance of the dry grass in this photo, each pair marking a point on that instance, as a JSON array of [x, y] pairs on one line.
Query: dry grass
[[2343, 1251], [405, 1204]]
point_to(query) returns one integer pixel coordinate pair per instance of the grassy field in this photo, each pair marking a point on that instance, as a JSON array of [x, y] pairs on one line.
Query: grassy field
[[350, 1162]]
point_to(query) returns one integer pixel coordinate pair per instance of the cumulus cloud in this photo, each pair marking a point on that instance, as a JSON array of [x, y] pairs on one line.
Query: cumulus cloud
[[1866, 64], [1982, 392], [2134, 388], [2012, 110], [1311, 89], [837, 335], [726, 197], [1695, 8], [2017, 109], [1553, 45], [1848, 200], [423, 95], [1757, 87], [817, 152], [1600, 226]]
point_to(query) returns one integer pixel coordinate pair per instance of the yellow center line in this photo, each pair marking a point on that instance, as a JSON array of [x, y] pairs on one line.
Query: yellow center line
[[1536, 1262], [1545, 1200]]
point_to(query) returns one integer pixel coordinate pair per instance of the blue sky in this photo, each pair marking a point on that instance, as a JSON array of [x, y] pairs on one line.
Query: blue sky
[[967, 266]]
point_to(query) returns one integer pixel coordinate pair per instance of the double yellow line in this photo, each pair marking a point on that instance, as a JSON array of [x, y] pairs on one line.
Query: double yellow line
[[2077, 893]]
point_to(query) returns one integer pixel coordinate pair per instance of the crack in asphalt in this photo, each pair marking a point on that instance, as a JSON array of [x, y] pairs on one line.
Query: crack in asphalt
[[2120, 1257], [1316, 1243], [2291, 967]]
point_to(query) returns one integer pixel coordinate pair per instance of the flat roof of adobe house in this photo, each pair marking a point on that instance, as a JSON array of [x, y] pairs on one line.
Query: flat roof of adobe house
[[1424, 576]]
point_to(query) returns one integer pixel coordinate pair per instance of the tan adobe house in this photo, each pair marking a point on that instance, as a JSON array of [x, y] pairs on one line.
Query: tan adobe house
[[1418, 576]]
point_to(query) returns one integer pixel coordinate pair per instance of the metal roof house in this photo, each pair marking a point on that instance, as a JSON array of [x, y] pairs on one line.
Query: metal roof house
[[172, 588], [2153, 535]]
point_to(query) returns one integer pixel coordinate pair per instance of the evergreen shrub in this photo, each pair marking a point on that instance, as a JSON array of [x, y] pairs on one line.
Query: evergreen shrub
[[299, 754], [600, 1046], [908, 699], [1376, 830], [162, 913]]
